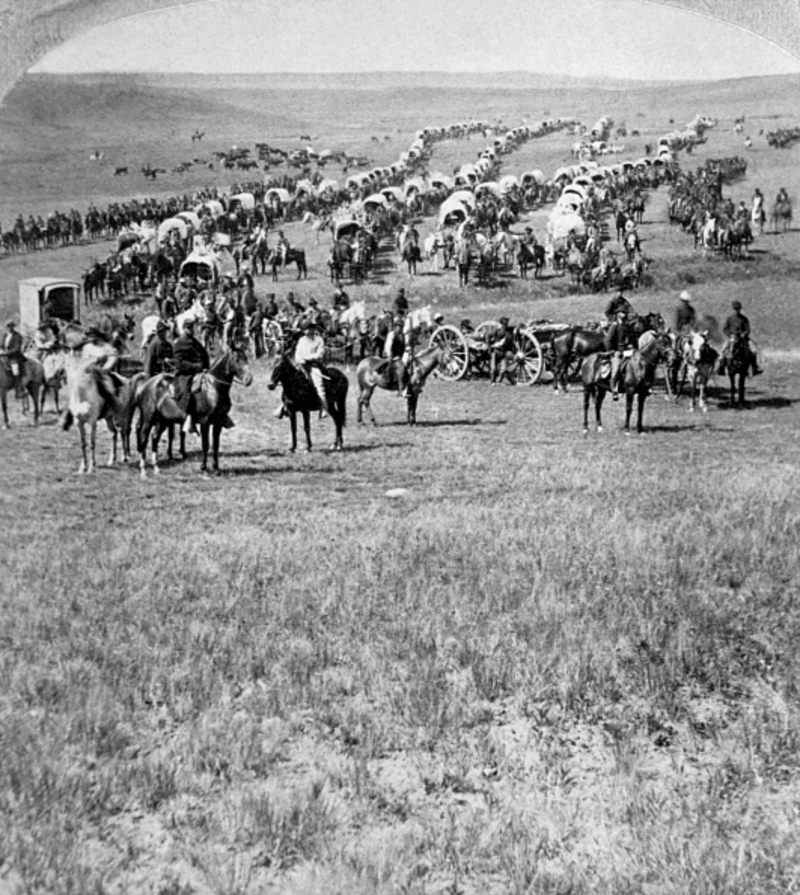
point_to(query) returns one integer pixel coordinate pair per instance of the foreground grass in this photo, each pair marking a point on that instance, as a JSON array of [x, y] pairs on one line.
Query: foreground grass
[[555, 665]]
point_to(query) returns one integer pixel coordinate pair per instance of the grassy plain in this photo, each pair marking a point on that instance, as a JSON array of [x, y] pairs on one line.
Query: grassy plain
[[555, 664]]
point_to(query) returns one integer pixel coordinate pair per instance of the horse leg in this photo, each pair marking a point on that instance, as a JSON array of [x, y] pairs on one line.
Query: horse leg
[[600, 395], [640, 411], [307, 429], [293, 430], [216, 429], [4, 402], [411, 406], [204, 432], [112, 454], [742, 378], [628, 411]]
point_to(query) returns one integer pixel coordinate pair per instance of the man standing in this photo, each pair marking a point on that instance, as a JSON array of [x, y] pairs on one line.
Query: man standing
[[158, 357], [190, 359], [12, 351], [685, 315], [502, 349], [308, 356], [255, 326], [341, 300]]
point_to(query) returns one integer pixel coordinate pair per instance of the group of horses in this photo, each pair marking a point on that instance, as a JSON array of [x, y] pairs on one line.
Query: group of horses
[[688, 358]]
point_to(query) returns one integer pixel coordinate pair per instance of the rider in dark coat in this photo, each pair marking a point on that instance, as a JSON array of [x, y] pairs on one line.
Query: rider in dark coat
[[685, 314], [618, 303], [737, 326], [190, 359], [400, 306], [158, 358], [14, 355], [620, 339]]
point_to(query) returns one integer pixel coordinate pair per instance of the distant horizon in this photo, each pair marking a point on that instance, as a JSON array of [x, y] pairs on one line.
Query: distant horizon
[[600, 82]]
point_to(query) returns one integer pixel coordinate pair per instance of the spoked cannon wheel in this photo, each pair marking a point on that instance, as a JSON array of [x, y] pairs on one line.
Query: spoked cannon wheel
[[484, 334], [528, 359], [453, 343]]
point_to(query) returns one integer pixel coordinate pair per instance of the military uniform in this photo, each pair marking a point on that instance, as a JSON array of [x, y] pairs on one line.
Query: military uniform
[[158, 358], [502, 349], [190, 359]]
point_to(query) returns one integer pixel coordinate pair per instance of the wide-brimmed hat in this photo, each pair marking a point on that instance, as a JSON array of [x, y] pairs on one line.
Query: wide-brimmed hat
[[684, 296], [504, 321], [736, 305], [11, 324]]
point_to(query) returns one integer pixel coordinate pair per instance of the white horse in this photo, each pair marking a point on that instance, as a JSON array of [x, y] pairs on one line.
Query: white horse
[[196, 312], [90, 385]]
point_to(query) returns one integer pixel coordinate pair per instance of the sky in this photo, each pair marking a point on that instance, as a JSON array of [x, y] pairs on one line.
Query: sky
[[611, 38]]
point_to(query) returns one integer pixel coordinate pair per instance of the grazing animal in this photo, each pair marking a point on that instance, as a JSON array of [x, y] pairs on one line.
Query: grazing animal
[[122, 169], [300, 396], [211, 405], [376, 372], [636, 377]]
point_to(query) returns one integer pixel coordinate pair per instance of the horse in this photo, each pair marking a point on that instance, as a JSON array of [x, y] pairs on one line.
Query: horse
[[530, 256], [293, 256], [781, 215], [463, 261], [632, 244], [94, 395], [212, 403], [377, 372], [352, 324], [636, 378], [697, 361], [569, 350], [300, 396], [54, 370], [31, 386], [737, 363], [411, 255]]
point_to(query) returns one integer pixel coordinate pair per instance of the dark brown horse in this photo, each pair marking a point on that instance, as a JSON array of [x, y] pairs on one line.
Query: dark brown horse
[[737, 365], [377, 372], [300, 396], [569, 350], [210, 406], [636, 378], [293, 256]]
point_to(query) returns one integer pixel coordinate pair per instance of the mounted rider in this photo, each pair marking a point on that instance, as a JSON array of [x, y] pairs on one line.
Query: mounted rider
[[190, 358], [308, 356], [620, 341], [283, 247], [737, 327], [340, 300], [159, 354], [501, 351], [14, 357], [618, 303], [394, 350]]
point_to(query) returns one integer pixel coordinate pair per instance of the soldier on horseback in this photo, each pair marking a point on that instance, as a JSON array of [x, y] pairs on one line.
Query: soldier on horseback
[[158, 356], [395, 350], [737, 326], [190, 358], [620, 341], [14, 357], [308, 357], [283, 247]]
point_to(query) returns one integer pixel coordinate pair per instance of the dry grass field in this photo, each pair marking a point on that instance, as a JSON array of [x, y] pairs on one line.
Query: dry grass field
[[554, 664]]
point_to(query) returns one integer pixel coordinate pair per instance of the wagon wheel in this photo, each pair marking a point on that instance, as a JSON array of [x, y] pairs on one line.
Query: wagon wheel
[[273, 338], [528, 359], [484, 332], [453, 343]]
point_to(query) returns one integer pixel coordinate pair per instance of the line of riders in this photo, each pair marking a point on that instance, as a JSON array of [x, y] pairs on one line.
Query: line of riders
[[622, 333]]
